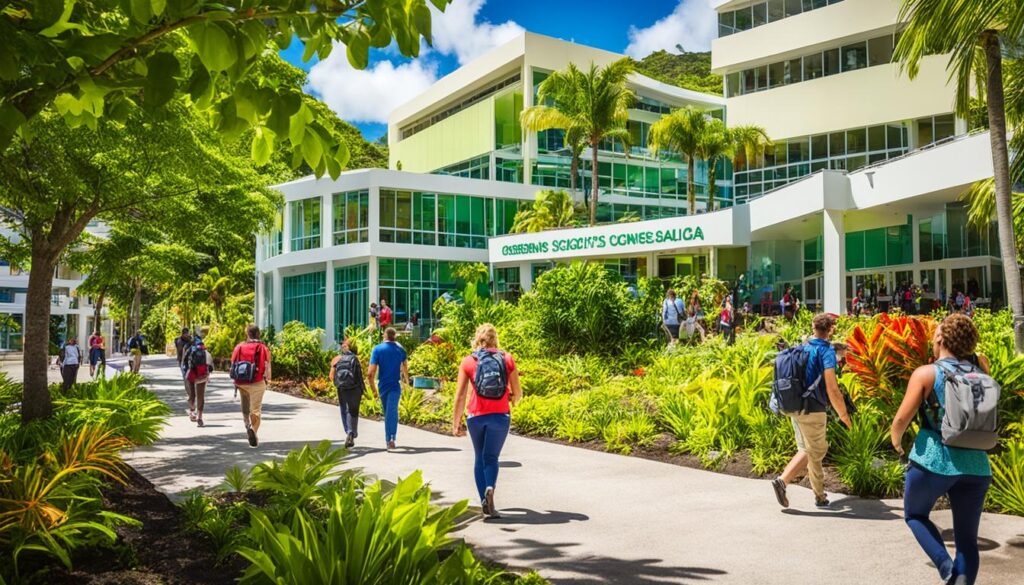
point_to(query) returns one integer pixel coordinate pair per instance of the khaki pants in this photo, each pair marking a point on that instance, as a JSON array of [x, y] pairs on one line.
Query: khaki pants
[[252, 402], [811, 439]]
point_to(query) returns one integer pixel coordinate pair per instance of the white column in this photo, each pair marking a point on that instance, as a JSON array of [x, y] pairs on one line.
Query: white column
[[834, 232], [525, 276], [652, 266], [529, 142], [372, 283], [286, 229], [277, 318], [83, 332], [713, 263], [327, 221], [329, 317]]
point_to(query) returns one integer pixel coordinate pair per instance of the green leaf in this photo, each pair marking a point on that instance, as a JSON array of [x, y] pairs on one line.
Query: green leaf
[[8, 66], [262, 145], [157, 7], [200, 87], [312, 150], [141, 11], [255, 34], [161, 83], [10, 120], [358, 48], [421, 18], [297, 126], [63, 22], [213, 43], [46, 13], [342, 154]]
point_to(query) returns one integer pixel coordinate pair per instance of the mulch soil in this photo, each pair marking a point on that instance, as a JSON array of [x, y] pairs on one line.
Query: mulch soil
[[738, 464], [161, 551]]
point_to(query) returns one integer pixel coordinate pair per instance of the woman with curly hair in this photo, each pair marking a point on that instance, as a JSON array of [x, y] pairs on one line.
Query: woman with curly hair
[[937, 469]]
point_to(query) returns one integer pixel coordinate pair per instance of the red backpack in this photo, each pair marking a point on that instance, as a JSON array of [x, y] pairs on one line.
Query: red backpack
[[249, 362]]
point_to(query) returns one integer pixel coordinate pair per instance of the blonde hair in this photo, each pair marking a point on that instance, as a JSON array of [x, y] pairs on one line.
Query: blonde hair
[[486, 336]]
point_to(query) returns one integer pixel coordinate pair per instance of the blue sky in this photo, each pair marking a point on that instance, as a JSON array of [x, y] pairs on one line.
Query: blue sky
[[469, 28]]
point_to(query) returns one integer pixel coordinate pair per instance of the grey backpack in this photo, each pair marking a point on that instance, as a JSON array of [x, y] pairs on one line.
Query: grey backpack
[[970, 415]]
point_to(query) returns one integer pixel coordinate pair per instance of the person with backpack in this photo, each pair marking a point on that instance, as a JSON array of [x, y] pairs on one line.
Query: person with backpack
[[804, 387], [956, 401], [347, 375], [69, 359], [97, 353], [492, 374], [250, 370], [197, 363], [137, 347], [672, 311], [181, 343], [388, 361]]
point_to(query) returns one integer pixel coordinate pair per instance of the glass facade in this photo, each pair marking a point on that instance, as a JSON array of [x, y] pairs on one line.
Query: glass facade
[[476, 168], [351, 298], [948, 235], [303, 297], [832, 61], [788, 160], [762, 13], [441, 219], [814, 256], [506, 284], [305, 221], [412, 286], [351, 217], [887, 246], [934, 129], [630, 178], [458, 107], [10, 337], [629, 269]]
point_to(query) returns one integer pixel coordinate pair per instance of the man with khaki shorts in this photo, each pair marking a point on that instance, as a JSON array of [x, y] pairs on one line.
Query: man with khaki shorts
[[251, 356], [809, 426]]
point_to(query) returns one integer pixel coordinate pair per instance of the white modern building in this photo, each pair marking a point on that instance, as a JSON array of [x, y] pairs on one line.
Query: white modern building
[[859, 191]]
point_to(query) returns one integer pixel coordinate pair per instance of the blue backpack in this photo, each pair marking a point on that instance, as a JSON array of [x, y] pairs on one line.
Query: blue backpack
[[790, 392], [491, 380]]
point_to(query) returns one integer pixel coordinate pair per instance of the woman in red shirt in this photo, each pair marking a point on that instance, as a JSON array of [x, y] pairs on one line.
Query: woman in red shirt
[[489, 418]]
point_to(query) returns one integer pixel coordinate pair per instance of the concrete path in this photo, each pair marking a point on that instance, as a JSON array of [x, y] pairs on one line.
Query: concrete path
[[580, 516]]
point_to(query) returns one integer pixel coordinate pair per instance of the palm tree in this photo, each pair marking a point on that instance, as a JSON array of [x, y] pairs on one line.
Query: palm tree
[[550, 209], [682, 132], [216, 288], [592, 105], [962, 28], [751, 141], [715, 145]]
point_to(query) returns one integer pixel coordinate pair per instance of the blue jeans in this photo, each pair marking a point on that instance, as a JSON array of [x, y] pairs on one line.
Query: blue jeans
[[349, 401], [488, 433], [389, 400], [966, 498]]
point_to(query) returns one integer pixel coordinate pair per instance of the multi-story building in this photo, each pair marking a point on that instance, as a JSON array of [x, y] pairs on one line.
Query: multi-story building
[[858, 192]]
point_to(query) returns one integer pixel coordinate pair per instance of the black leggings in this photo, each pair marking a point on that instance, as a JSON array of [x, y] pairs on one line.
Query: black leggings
[[348, 401]]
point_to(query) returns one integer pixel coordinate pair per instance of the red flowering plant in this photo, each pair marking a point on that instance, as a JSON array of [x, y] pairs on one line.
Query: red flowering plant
[[883, 353]]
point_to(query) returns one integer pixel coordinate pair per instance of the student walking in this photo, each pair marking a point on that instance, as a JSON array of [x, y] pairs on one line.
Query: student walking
[[386, 314], [69, 359], [672, 311], [347, 375], [181, 343], [374, 317], [196, 365], [388, 362], [250, 369], [495, 381], [97, 353], [726, 321], [809, 425], [137, 347], [937, 468]]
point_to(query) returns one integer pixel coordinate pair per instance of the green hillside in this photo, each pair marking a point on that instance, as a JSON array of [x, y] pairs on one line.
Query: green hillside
[[687, 70]]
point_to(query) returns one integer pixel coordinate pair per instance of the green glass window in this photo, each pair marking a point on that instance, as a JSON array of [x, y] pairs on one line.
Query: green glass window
[[814, 256], [855, 250], [412, 286], [506, 283], [305, 223], [351, 298], [303, 297], [351, 215]]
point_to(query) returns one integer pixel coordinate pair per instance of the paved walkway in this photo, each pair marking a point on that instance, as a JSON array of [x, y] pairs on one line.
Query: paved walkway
[[581, 516]]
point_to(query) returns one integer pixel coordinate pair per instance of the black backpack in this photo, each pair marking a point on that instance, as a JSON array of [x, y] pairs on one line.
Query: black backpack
[[491, 380], [789, 388], [346, 373], [196, 360]]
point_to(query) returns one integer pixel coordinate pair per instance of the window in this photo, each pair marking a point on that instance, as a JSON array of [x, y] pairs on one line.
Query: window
[[762, 77], [793, 7], [480, 167], [855, 56], [813, 66], [760, 14], [351, 217], [794, 72], [303, 298], [726, 23], [880, 51], [351, 298], [732, 84], [776, 74], [856, 140], [776, 10], [412, 286], [819, 146], [831, 60], [744, 19], [876, 138], [305, 218]]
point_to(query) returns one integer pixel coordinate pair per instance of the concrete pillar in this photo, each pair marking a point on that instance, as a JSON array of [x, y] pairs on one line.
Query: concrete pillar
[[327, 221], [529, 142], [652, 266], [834, 291], [330, 319], [713, 263], [525, 276], [277, 301], [286, 229], [83, 328]]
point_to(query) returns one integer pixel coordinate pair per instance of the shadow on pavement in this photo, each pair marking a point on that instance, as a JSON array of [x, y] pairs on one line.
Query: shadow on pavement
[[854, 509], [525, 516], [509, 464], [984, 544], [600, 570]]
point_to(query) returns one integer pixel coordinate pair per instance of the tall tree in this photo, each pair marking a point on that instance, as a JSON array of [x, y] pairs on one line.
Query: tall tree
[[592, 104], [682, 132], [715, 146], [104, 58], [550, 209], [963, 28]]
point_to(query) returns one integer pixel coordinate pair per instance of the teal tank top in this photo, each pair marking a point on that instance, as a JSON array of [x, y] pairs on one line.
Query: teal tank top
[[929, 452]]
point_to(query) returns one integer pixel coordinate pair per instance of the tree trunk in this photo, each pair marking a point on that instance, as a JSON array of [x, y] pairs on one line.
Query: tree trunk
[[1001, 172], [97, 315], [711, 186], [573, 169], [691, 186], [36, 402], [137, 307], [593, 183]]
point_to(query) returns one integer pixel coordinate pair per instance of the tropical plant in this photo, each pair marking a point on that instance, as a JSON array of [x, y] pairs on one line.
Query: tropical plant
[[749, 143], [715, 146], [963, 29], [237, 479], [120, 404], [1007, 491], [295, 481], [593, 105], [550, 209], [683, 132], [860, 460], [298, 352], [885, 355], [435, 360]]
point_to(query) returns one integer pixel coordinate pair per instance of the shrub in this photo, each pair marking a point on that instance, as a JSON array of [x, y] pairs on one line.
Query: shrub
[[435, 360], [317, 388], [120, 404], [298, 353], [860, 460], [1007, 492]]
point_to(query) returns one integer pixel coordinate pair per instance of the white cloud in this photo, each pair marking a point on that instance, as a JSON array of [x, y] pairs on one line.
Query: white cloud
[[691, 25], [370, 94], [457, 32]]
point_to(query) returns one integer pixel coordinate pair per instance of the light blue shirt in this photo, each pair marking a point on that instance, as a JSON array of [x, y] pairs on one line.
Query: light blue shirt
[[672, 315]]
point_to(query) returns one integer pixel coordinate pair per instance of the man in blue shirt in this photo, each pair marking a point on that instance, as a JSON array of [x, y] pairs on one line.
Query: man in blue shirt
[[388, 360], [809, 426]]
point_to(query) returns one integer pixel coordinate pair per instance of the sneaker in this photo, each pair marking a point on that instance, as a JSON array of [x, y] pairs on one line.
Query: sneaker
[[780, 492], [485, 508], [192, 415], [822, 503], [350, 441], [199, 422], [391, 445], [253, 441], [492, 511]]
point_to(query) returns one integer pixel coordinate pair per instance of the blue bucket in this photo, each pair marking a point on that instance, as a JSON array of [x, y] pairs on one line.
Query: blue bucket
[[425, 383]]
